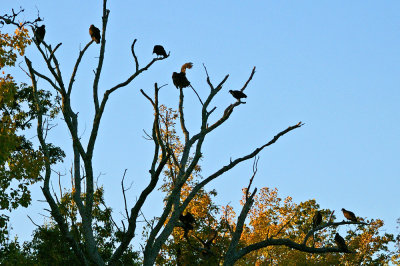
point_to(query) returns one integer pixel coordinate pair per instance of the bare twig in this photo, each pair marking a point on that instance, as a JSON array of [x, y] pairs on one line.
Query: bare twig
[[134, 55], [11, 19], [197, 94], [329, 224], [248, 81], [38, 226], [72, 79], [54, 50], [331, 216], [123, 193], [255, 163], [284, 225]]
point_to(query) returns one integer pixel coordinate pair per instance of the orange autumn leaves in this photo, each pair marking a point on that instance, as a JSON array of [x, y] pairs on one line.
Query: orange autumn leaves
[[270, 216], [12, 45]]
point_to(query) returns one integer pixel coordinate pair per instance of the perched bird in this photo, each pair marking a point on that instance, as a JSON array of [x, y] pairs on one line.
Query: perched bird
[[317, 219], [39, 34], [341, 243], [349, 215], [188, 221], [237, 94], [94, 33], [179, 79], [159, 50]]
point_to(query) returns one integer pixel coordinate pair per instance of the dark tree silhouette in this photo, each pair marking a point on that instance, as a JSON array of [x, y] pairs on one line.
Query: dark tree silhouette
[[86, 248]]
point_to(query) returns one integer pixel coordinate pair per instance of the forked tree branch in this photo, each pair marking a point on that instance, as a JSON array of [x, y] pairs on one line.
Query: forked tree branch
[[290, 243], [155, 173], [255, 164], [55, 212], [96, 80], [235, 162], [231, 252], [99, 113], [329, 224], [11, 19], [134, 55], [78, 61], [152, 249]]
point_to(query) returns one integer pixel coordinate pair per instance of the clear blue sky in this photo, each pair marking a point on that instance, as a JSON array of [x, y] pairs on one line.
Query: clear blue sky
[[335, 65]]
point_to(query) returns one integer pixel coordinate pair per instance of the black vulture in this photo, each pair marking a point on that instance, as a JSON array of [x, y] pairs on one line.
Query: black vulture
[[179, 79], [94, 33], [341, 243], [39, 34], [159, 50], [237, 94], [317, 219], [349, 215]]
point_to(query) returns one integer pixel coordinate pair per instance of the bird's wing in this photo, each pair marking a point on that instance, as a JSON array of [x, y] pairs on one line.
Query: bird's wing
[[185, 66]]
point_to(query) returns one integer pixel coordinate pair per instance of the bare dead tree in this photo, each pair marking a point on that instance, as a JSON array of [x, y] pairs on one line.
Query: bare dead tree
[[163, 154], [11, 18]]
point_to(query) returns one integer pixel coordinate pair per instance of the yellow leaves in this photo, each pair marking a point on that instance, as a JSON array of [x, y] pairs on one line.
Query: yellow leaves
[[11, 45]]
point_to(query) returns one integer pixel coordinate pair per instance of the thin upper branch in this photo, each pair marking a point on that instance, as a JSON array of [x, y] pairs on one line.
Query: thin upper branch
[[50, 67], [255, 164], [329, 224], [284, 242], [123, 193], [231, 253], [106, 12], [134, 55], [154, 173], [235, 162], [55, 212], [181, 116], [11, 19], [45, 78], [81, 53], [250, 78]]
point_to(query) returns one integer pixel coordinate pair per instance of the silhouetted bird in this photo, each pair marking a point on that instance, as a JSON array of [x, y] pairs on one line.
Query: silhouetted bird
[[39, 34], [179, 79], [349, 215], [238, 94], [317, 219], [341, 243], [188, 221], [94, 33], [159, 50]]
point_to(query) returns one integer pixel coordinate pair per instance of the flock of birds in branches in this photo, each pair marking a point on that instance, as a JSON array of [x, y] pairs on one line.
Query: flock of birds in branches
[[339, 240], [188, 222], [179, 79]]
